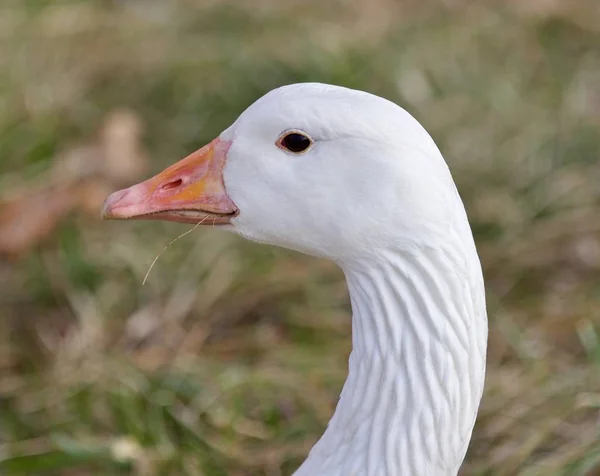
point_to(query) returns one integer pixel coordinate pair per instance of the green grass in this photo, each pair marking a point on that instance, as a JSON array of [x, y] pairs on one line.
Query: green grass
[[230, 359]]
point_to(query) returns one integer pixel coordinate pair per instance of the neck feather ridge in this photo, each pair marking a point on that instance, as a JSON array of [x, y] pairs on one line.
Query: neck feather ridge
[[416, 370]]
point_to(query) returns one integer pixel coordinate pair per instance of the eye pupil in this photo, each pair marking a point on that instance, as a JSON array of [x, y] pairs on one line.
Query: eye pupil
[[295, 142]]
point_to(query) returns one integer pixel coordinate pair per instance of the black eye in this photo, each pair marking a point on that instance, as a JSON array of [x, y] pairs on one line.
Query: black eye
[[295, 142]]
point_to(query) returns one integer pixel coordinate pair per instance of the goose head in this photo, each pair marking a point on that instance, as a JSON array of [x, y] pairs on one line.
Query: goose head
[[349, 176], [324, 170]]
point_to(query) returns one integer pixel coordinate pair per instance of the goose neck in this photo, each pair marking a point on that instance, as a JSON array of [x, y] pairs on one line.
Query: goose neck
[[416, 370]]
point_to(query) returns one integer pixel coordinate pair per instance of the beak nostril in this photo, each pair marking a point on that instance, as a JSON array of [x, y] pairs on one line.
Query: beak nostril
[[171, 185]]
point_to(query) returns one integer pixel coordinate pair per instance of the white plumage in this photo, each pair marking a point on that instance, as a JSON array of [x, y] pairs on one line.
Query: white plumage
[[372, 193]]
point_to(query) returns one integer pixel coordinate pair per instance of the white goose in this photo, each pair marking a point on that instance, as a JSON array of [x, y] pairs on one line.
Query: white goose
[[352, 177]]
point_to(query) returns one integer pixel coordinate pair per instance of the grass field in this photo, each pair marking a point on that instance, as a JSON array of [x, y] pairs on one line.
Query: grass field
[[230, 359]]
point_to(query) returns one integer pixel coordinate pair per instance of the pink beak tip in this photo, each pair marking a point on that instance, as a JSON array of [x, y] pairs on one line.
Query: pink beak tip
[[108, 208]]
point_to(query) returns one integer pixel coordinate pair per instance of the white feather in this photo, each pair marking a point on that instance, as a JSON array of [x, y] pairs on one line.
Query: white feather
[[374, 194]]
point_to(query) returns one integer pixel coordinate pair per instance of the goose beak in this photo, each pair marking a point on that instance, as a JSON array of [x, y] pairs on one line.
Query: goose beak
[[190, 191]]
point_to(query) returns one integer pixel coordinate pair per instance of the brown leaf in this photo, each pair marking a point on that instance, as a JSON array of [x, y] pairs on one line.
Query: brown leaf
[[28, 219], [82, 176]]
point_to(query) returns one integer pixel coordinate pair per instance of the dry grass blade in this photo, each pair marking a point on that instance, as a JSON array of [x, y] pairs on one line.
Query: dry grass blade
[[167, 246]]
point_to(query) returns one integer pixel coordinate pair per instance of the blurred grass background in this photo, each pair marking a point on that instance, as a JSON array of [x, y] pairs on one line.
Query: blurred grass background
[[230, 359]]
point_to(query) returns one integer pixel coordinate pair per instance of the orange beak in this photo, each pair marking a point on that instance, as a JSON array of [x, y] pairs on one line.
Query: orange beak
[[190, 191]]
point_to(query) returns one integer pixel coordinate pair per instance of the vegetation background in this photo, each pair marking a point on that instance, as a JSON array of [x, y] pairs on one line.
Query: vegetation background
[[230, 359]]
